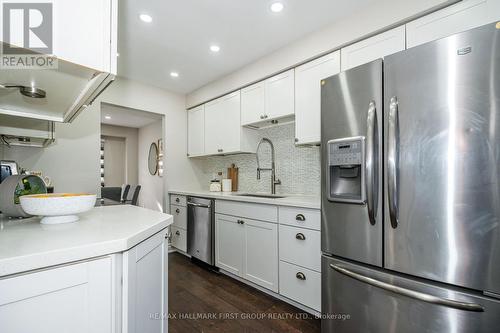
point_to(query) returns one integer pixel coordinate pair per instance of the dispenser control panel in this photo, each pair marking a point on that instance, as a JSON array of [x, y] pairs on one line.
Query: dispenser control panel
[[346, 152], [345, 174]]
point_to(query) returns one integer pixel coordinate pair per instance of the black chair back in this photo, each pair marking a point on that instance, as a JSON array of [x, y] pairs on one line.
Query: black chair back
[[135, 198], [125, 193]]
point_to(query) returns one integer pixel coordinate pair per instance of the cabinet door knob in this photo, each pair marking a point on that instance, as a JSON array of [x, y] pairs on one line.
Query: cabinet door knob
[[177, 233], [300, 217], [177, 200], [300, 236], [177, 210], [220, 150], [300, 276], [241, 222]]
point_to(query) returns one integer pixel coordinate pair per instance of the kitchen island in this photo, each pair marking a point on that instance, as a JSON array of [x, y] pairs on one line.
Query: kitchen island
[[104, 273]]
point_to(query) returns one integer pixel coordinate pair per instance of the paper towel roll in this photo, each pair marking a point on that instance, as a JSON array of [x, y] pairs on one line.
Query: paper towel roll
[[226, 185]]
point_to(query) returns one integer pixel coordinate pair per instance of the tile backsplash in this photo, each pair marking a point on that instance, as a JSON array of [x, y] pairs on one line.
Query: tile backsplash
[[298, 168]]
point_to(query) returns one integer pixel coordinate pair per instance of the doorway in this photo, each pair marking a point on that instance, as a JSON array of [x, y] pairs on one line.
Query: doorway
[[127, 138]]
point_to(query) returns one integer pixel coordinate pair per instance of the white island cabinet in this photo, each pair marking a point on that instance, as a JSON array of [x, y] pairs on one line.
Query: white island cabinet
[[105, 273]]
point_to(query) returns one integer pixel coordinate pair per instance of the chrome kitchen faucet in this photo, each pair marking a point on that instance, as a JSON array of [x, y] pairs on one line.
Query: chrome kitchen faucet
[[274, 181]]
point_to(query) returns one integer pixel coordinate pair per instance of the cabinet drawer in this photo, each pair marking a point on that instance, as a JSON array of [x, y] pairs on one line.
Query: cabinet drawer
[[179, 200], [249, 210], [180, 216], [179, 238], [300, 217], [300, 246], [301, 285]]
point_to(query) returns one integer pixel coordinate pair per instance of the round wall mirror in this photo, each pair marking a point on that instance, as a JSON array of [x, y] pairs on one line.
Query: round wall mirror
[[153, 159]]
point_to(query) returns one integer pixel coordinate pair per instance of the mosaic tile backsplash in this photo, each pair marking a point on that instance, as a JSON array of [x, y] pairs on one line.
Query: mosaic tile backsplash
[[298, 168]]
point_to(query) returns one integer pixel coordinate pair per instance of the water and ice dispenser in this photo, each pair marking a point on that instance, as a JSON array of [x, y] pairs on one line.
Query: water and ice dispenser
[[346, 170]]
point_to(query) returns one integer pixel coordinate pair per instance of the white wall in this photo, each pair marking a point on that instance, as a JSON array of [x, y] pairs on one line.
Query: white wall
[[151, 195], [131, 148], [73, 161], [372, 19]]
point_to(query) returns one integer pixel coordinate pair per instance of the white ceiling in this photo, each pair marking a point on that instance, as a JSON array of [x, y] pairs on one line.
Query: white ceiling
[[127, 117], [179, 37]]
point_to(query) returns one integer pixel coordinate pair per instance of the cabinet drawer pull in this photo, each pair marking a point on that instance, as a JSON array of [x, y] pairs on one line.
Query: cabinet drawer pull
[[177, 233], [300, 217], [177, 210], [177, 200], [300, 276], [300, 236], [240, 222]]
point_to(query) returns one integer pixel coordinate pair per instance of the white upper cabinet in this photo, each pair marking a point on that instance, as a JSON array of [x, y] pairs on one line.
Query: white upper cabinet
[[308, 96], [459, 17], [83, 32], [280, 98], [223, 131], [268, 100], [196, 131], [372, 48], [253, 101]]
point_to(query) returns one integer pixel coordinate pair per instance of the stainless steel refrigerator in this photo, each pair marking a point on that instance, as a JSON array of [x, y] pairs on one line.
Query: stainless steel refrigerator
[[410, 190]]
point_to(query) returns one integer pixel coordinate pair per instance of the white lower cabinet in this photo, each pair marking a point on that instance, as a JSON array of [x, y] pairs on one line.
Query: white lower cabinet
[[301, 285], [247, 248], [261, 253], [74, 298], [282, 257], [123, 292], [229, 235], [144, 287], [178, 238], [301, 247]]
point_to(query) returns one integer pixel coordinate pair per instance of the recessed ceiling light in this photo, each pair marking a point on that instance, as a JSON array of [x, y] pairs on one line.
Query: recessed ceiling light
[[107, 117], [277, 7], [215, 48], [174, 74], [146, 18]]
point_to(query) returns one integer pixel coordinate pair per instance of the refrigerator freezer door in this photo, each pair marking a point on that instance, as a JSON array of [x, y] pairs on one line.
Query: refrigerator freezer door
[[442, 139], [360, 299], [351, 107]]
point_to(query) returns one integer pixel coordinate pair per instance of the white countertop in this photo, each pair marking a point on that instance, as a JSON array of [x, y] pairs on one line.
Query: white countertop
[[25, 244], [302, 201]]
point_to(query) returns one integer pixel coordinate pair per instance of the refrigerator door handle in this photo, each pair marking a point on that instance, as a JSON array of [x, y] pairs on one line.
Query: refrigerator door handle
[[393, 162], [371, 163], [410, 293]]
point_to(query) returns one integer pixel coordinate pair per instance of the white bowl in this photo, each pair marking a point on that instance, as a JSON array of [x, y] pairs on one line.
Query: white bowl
[[57, 208]]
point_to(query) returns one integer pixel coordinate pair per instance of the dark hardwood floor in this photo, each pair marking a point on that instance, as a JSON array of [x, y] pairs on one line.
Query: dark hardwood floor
[[203, 301]]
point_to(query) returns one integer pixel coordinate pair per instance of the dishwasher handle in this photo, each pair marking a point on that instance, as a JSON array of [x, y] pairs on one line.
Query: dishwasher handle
[[198, 205]]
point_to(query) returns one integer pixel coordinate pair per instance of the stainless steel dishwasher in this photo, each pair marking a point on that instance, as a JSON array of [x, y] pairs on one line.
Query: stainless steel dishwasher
[[201, 229]]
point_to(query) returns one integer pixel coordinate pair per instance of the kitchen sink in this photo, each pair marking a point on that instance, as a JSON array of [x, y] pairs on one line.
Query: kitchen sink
[[259, 195]]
